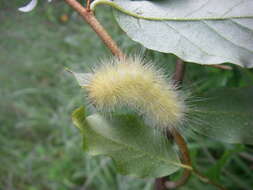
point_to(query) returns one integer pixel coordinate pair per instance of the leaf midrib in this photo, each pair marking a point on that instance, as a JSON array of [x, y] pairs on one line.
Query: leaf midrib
[[121, 9]]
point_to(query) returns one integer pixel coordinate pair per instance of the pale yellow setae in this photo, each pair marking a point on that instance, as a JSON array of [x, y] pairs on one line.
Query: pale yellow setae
[[137, 85]]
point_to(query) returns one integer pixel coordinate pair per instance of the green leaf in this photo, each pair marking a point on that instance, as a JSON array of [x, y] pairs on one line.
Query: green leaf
[[215, 172], [83, 79], [137, 150], [227, 115], [200, 31]]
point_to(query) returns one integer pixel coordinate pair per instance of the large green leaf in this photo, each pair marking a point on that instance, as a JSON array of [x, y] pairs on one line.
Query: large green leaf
[[201, 31], [137, 150], [227, 115]]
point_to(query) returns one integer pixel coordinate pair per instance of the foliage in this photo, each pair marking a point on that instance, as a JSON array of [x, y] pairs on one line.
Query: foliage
[[39, 149]]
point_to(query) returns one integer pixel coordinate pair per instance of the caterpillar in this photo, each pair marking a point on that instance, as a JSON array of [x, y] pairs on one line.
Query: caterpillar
[[136, 84]]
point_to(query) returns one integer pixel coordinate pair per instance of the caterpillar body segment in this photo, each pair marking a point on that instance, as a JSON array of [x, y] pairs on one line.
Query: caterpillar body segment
[[137, 85]]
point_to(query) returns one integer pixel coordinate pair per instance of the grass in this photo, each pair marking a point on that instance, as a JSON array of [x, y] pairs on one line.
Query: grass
[[39, 147]]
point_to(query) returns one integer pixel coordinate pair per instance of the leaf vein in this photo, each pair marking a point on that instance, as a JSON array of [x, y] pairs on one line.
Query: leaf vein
[[217, 32], [194, 43]]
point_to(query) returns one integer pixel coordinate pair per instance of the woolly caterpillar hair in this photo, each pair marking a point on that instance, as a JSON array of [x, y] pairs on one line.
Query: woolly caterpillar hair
[[135, 84]]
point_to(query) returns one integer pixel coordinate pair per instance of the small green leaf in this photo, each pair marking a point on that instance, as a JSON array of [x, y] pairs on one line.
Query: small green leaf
[[137, 150], [83, 79], [227, 115]]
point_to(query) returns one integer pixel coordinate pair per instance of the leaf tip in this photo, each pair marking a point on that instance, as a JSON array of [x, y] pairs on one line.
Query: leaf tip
[[78, 117]]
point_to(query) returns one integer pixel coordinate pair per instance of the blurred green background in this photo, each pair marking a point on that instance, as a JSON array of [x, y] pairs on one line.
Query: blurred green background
[[39, 147]]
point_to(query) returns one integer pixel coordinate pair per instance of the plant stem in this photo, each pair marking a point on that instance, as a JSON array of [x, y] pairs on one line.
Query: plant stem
[[178, 139], [207, 180], [88, 5], [185, 159], [160, 183], [89, 17], [224, 67], [179, 72]]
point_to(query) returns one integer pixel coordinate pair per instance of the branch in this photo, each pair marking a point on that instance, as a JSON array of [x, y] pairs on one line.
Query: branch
[[163, 183], [160, 183], [185, 159], [179, 140], [88, 5], [179, 72], [207, 180], [225, 67], [89, 17]]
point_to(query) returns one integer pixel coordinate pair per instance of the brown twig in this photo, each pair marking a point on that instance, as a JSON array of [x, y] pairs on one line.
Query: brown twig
[[89, 17], [160, 183], [246, 156], [88, 5], [225, 67], [185, 159], [179, 72], [207, 180], [178, 139], [184, 152]]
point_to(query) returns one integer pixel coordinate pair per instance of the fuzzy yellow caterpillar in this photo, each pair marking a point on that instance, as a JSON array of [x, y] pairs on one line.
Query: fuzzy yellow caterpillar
[[132, 83]]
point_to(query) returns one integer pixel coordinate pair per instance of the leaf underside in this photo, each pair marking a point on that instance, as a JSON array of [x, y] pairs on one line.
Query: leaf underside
[[137, 150], [200, 31]]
